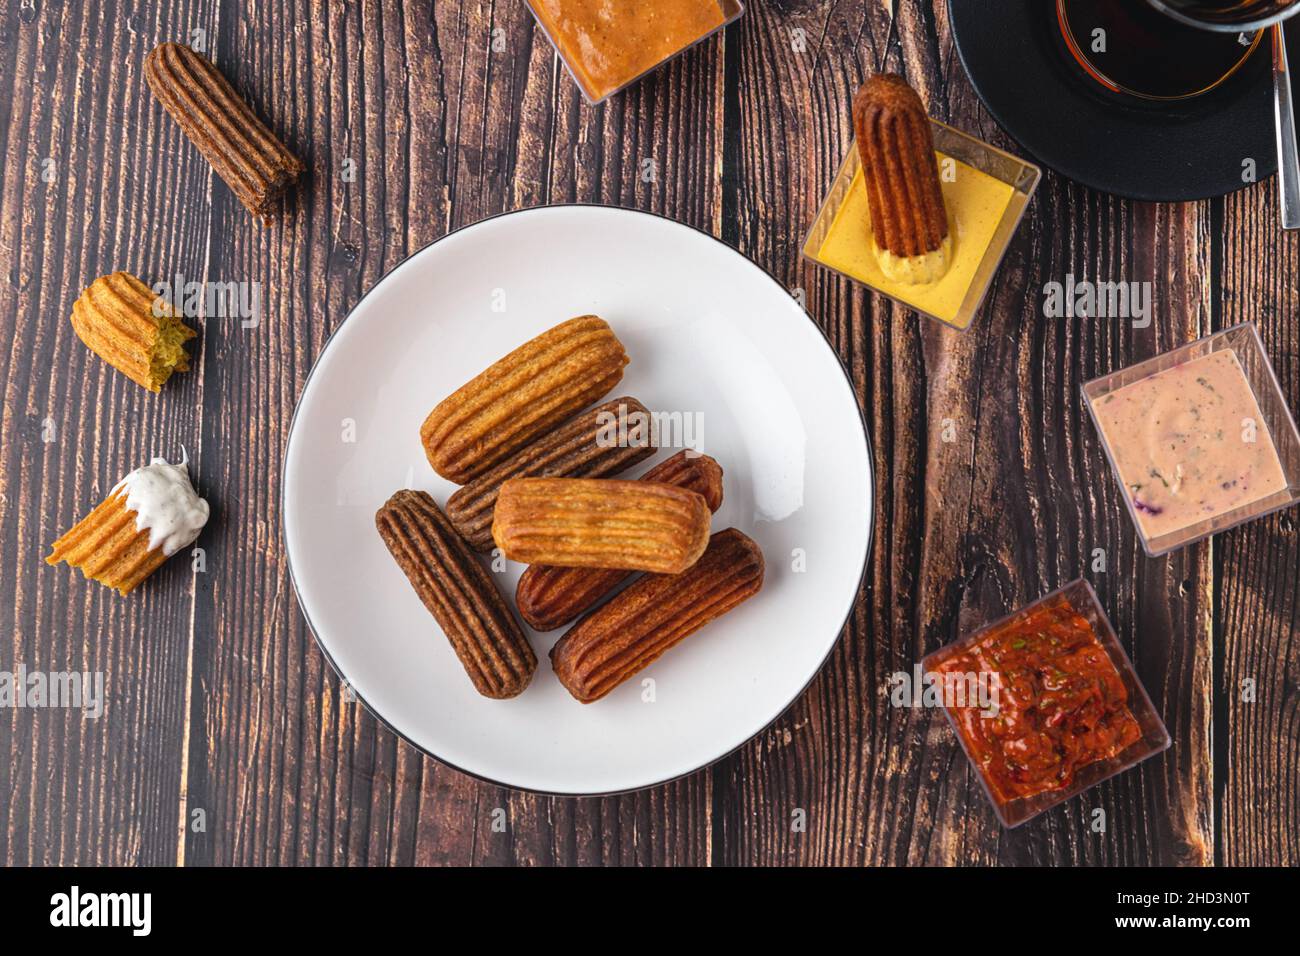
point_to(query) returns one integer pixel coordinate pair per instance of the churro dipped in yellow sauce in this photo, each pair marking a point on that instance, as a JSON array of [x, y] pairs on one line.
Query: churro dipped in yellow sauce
[[909, 224], [1190, 443], [975, 204]]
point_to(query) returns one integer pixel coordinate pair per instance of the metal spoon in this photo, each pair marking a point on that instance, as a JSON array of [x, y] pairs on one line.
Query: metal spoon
[[1288, 158]]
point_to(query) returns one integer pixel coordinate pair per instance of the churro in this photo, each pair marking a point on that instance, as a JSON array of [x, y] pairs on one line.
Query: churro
[[654, 614], [584, 523], [539, 385], [459, 593]]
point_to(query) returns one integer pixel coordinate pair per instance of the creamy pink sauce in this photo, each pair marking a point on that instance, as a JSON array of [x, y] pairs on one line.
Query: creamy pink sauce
[[1182, 441]]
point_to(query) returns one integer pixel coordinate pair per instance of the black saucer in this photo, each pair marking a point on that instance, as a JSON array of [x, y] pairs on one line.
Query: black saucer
[[1017, 61]]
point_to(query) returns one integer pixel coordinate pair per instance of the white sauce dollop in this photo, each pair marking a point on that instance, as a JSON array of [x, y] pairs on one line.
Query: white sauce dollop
[[166, 504]]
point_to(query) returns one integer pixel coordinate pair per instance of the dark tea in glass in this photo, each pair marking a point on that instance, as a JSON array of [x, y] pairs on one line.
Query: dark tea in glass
[[1229, 15], [1130, 47]]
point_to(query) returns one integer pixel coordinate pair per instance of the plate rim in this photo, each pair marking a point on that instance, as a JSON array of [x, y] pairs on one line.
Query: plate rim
[[371, 709]]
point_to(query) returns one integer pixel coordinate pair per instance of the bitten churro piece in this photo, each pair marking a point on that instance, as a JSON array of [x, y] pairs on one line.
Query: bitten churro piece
[[605, 523], [908, 218], [593, 445], [459, 593], [150, 515], [120, 319], [254, 163], [550, 597], [524, 395], [658, 611]]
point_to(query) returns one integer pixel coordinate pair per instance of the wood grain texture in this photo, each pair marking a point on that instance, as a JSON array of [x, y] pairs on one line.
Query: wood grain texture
[[417, 97], [114, 195], [416, 118], [1257, 633]]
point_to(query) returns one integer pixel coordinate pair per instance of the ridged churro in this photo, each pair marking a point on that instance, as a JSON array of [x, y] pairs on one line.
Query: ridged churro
[[586, 447], [459, 593], [150, 515], [550, 597], [121, 320], [606, 523], [537, 386], [908, 219], [655, 613], [253, 162]]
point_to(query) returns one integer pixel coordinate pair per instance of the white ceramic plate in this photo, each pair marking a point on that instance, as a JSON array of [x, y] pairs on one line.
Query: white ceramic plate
[[710, 335]]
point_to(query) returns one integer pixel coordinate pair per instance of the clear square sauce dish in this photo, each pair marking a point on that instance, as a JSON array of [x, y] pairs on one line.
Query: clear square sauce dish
[[607, 45], [1200, 438], [985, 191], [1045, 703]]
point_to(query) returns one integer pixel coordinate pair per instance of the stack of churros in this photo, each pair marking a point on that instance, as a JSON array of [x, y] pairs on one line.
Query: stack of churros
[[576, 450], [539, 482]]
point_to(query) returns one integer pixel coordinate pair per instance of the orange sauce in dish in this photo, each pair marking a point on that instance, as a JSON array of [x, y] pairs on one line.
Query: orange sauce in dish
[[1062, 704], [609, 43]]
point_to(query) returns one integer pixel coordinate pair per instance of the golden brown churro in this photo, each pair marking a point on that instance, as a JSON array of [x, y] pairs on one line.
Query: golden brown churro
[[106, 547], [533, 389], [655, 613], [120, 319], [608, 523], [550, 597]]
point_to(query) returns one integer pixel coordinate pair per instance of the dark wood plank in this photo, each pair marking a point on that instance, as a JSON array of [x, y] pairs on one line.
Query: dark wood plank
[[1259, 592], [77, 790], [657, 147], [289, 768], [219, 699]]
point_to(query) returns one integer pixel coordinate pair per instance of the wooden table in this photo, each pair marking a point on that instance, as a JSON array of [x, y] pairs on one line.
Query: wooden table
[[228, 739]]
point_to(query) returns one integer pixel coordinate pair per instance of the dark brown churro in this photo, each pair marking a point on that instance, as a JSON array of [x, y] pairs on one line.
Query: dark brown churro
[[459, 593], [908, 217], [253, 162]]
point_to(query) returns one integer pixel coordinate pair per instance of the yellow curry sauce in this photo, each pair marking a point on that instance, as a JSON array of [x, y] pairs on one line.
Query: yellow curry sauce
[[975, 202]]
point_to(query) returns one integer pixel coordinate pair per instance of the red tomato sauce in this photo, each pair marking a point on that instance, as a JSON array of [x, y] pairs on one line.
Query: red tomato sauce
[[1061, 705]]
